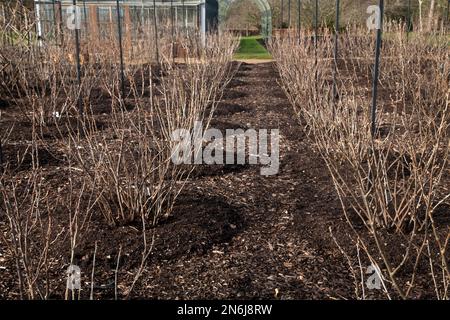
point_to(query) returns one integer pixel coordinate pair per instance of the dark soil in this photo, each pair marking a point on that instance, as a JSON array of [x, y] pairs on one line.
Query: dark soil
[[242, 235]]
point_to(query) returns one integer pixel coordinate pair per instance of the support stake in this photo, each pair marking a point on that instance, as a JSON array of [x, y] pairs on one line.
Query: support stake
[[119, 27], [376, 71]]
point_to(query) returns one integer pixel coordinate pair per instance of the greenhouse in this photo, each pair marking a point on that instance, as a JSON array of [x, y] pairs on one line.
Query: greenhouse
[[97, 17]]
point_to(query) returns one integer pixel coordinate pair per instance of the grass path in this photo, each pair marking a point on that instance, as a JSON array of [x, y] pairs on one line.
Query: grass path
[[251, 48]]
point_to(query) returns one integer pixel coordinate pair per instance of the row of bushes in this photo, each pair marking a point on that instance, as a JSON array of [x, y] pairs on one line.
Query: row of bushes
[[393, 186]]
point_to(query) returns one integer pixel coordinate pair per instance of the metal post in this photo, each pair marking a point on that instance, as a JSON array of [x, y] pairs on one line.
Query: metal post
[[155, 26], [198, 18], [77, 56], [37, 9], [1, 156], [316, 23], [316, 34], [448, 11], [203, 22], [54, 19], [172, 27], [282, 14], [142, 15], [408, 23], [316, 71], [184, 15], [119, 27], [299, 21], [336, 51], [289, 14], [377, 69], [60, 23], [85, 16]]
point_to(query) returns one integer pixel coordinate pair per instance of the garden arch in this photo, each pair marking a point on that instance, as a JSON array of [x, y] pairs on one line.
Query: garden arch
[[264, 7]]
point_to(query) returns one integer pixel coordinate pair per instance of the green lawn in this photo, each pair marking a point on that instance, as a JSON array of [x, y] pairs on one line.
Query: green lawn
[[251, 48]]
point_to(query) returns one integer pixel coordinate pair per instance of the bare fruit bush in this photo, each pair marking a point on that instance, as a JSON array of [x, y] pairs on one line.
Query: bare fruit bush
[[115, 139], [393, 186], [129, 163], [28, 212]]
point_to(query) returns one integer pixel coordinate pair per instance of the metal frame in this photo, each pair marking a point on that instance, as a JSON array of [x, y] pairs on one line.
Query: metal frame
[[264, 7]]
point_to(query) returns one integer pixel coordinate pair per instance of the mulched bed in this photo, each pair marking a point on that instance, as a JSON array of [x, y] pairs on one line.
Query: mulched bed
[[233, 233]]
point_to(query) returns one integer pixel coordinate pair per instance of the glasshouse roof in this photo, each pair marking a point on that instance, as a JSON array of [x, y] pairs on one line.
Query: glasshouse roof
[[128, 2], [214, 10]]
